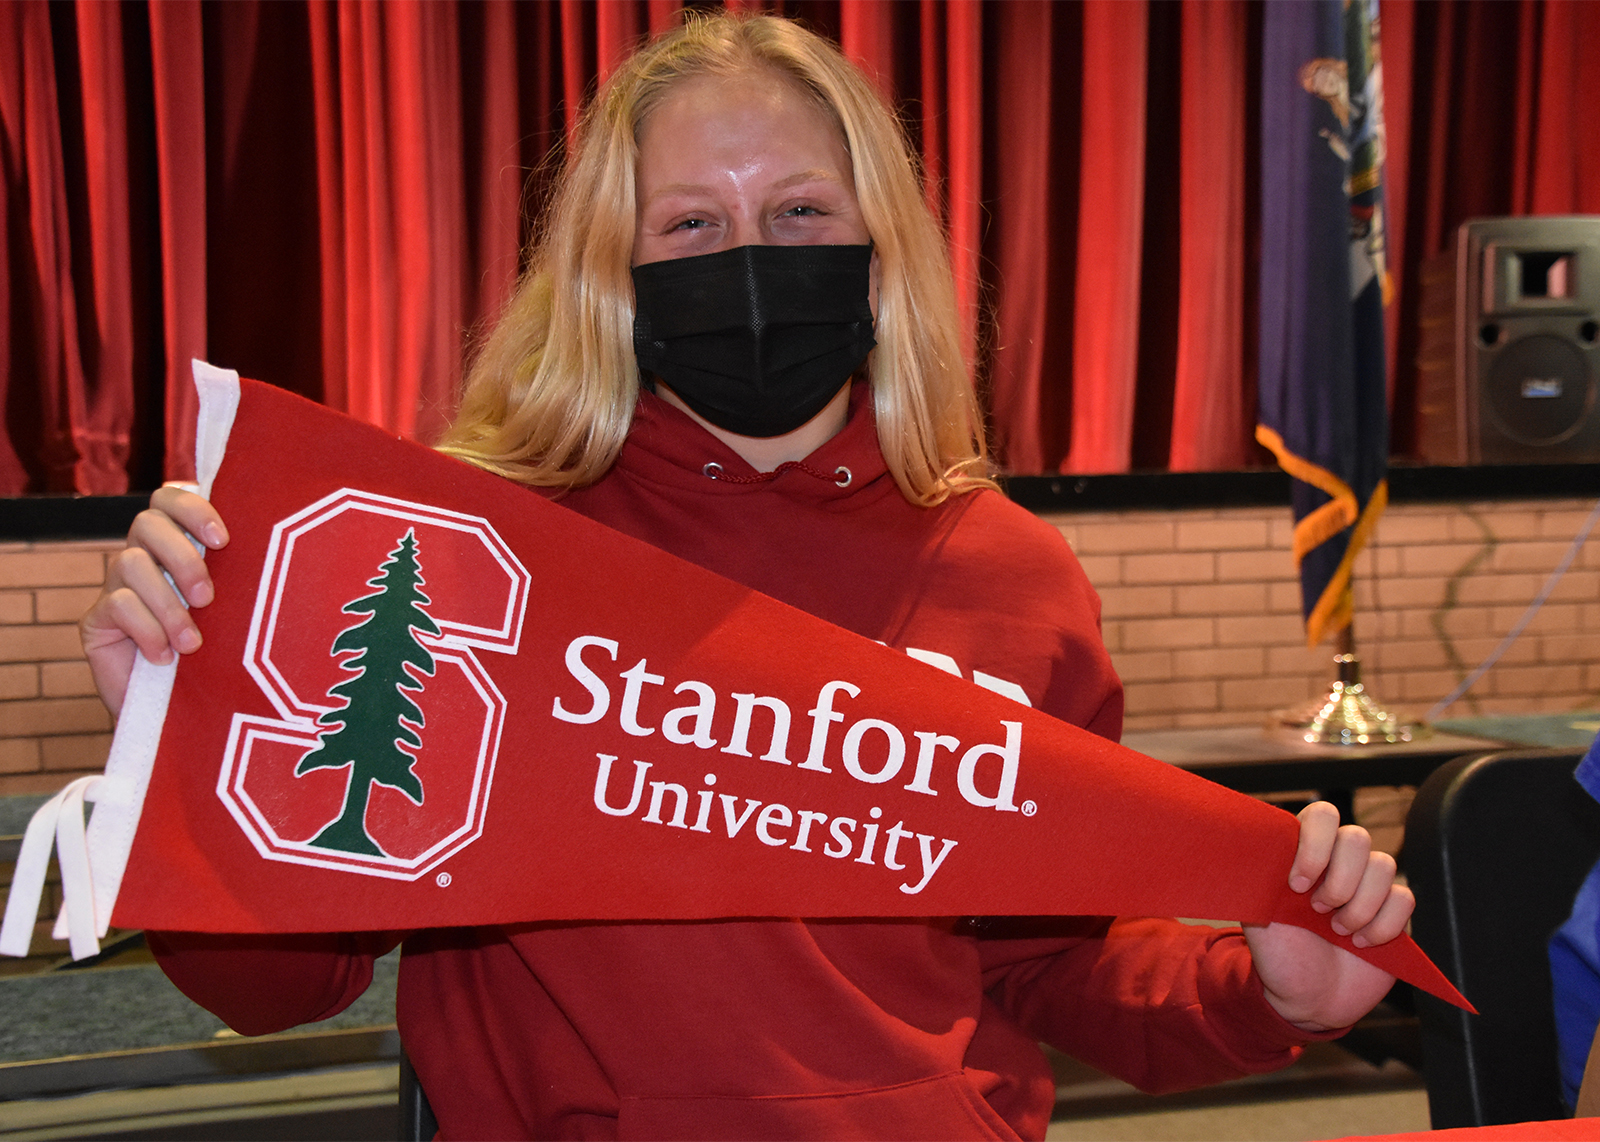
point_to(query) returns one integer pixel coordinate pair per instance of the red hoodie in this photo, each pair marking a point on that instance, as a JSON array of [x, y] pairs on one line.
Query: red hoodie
[[786, 1028]]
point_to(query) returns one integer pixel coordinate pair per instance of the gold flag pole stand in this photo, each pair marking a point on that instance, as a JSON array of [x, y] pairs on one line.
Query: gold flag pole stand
[[1347, 714]]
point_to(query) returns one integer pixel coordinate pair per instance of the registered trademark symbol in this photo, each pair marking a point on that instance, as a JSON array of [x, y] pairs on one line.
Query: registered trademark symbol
[[1029, 808], [443, 879]]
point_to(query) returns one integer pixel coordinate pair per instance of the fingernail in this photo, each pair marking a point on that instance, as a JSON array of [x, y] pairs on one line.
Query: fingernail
[[200, 594], [215, 536], [1339, 928], [1319, 906], [1360, 941], [188, 641], [1300, 883]]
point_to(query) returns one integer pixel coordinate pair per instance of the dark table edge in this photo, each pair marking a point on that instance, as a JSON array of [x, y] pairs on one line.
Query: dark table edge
[[56, 517], [183, 1063]]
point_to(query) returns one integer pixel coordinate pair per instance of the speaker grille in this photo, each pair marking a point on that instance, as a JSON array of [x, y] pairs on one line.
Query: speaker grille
[[1539, 390]]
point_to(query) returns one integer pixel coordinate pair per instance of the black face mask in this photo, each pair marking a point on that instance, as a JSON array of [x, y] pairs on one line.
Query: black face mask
[[756, 339]]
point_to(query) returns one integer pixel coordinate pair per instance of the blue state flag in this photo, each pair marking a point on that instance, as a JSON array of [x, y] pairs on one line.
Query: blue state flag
[[1323, 396]]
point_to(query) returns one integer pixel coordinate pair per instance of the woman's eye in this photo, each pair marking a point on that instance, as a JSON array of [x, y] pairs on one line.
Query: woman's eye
[[689, 224], [802, 212]]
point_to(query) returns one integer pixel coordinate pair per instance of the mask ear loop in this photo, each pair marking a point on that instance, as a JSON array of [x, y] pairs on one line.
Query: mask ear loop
[[873, 285]]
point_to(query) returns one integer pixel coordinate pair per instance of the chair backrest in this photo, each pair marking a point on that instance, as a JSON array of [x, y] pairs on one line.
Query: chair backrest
[[417, 1123], [1496, 846]]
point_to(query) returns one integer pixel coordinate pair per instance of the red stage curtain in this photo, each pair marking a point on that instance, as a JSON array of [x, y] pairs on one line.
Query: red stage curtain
[[325, 194]]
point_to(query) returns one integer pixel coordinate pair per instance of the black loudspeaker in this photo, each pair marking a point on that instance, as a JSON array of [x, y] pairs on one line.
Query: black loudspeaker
[[1528, 331]]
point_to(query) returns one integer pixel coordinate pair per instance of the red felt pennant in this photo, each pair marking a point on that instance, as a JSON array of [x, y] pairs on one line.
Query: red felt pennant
[[429, 697]]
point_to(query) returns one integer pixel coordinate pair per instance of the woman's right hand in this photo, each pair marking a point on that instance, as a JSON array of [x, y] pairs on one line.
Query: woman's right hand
[[138, 608]]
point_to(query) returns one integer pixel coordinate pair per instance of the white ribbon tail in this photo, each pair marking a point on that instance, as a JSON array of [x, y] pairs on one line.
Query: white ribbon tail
[[76, 922], [33, 862]]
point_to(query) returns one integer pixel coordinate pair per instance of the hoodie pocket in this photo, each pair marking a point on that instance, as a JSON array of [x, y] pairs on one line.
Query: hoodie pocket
[[944, 1107]]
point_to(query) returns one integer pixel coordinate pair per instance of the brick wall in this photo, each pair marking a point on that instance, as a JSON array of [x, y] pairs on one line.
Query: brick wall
[[52, 726], [1202, 610], [1201, 616]]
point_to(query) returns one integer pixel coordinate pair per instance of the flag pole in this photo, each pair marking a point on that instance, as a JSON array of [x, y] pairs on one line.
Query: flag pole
[[1347, 714]]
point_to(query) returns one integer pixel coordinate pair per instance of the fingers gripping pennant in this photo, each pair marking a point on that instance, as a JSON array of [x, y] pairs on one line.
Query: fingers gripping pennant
[[429, 697], [92, 861]]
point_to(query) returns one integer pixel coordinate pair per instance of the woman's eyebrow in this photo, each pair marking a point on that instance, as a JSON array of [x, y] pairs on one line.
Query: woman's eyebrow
[[816, 174], [678, 188]]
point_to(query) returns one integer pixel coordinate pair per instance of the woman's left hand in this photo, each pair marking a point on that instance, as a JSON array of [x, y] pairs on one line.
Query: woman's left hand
[[1309, 981]]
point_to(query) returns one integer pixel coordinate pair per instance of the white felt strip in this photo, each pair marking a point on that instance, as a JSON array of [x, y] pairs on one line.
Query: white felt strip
[[120, 796], [219, 403]]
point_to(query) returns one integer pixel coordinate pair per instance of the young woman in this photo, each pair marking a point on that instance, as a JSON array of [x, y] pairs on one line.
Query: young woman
[[741, 228]]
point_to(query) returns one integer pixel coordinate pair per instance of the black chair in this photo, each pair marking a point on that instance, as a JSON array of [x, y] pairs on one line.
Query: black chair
[[1496, 846], [417, 1123]]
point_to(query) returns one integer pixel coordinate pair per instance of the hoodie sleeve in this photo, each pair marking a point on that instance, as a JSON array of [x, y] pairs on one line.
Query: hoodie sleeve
[[261, 984], [1163, 1005]]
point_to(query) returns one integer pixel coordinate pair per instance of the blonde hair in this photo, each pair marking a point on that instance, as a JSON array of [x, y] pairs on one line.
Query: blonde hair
[[551, 395]]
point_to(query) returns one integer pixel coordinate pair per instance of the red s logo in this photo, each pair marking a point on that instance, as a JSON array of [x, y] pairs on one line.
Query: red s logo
[[367, 619]]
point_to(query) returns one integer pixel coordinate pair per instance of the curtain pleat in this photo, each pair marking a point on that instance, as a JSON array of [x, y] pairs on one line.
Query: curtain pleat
[[963, 107], [328, 194], [1211, 400], [1105, 351], [492, 213], [1024, 225], [106, 299], [1565, 167], [1397, 21], [618, 26], [177, 64], [44, 256], [17, 349], [327, 133], [1528, 89], [867, 35]]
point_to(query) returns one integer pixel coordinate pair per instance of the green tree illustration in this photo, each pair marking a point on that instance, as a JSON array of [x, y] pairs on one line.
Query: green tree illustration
[[378, 718]]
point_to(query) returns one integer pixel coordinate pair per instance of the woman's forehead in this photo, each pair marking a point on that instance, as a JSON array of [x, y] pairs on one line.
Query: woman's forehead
[[758, 86], [715, 119]]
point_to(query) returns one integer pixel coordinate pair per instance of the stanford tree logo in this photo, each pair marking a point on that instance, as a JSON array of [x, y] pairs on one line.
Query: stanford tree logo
[[382, 755], [378, 718]]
